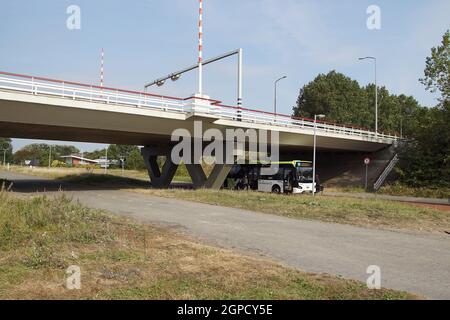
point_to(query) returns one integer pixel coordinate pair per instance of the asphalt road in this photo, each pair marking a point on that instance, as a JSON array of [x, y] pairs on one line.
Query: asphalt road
[[418, 263]]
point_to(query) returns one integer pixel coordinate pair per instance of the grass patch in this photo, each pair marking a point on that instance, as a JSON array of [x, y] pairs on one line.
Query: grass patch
[[121, 259], [57, 173], [397, 189], [360, 212], [63, 173]]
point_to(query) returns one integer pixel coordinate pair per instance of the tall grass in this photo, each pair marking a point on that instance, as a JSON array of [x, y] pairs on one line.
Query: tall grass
[[397, 189], [38, 224]]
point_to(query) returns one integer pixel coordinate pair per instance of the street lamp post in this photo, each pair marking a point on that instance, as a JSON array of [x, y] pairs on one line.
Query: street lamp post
[[176, 75], [106, 160], [50, 157], [275, 94], [5, 148], [376, 91], [320, 116], [4, 157]]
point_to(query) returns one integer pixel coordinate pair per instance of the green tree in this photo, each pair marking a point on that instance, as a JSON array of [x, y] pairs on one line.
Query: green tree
[[388, 109], [96, 154], [425, 162], [63, 150], [40, 152], [34, 152], [437, 69], [130, 153], [117, 151], [410, 112], [135, 160], [426, 159], [335, 95], [343, 101], [395, 113]]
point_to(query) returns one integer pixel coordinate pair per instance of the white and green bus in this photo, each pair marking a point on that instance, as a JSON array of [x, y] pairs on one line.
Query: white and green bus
[[294, 176]]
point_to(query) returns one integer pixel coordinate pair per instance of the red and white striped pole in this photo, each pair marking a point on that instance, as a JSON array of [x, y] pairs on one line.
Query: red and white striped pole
[[200, 48], [102, 68]]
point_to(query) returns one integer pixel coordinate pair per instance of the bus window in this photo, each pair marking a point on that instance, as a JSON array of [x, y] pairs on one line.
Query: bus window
[[305, 175], [277, 176]]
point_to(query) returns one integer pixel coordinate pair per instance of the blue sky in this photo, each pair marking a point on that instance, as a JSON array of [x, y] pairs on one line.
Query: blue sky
[[145, 39]]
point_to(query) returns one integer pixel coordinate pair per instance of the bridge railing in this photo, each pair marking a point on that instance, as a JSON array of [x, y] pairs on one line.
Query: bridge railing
[[120, 97], [263, 117], [91, 93]]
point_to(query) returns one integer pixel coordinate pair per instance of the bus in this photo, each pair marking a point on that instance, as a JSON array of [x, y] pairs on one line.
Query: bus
[[294, 176]]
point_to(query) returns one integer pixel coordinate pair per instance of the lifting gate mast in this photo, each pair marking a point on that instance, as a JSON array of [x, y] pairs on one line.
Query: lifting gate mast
[[200, 63], [200, 48], [102, 68]]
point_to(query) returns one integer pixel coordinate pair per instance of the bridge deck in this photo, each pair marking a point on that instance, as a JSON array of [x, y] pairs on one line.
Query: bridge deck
[[36, 107]]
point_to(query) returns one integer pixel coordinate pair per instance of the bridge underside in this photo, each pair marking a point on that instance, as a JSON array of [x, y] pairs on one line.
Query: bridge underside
[[289, 142], [40, 117], [51, 118], [335, 166], [63, 133]]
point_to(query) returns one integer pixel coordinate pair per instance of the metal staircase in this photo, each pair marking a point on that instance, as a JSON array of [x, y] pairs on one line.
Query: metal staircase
[[382, 178]]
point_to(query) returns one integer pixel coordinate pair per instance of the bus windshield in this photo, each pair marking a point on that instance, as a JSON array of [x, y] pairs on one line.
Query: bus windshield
[[305, 175]]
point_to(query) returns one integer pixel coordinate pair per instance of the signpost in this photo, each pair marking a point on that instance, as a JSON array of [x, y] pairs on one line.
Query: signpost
[[4, 148], [122, 163], [366, 163]]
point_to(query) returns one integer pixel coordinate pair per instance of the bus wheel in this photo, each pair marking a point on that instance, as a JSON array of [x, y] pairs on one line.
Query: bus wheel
[[276, 189], [240, 187]]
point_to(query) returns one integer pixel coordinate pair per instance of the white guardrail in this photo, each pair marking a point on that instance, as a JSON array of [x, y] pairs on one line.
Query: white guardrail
[[110, 96]]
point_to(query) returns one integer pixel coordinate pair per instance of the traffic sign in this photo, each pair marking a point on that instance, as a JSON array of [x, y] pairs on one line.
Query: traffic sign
[[366, 163]]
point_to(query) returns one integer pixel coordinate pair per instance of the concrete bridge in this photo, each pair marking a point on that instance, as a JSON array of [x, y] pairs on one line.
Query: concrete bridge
[[42, 108]]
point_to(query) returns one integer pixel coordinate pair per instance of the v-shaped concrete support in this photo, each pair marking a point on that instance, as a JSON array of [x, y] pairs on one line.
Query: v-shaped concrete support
[[160, 179], [215, 179]]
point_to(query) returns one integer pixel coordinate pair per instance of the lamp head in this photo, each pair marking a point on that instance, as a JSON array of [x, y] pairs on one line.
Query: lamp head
[[364, 58], [160, 83]]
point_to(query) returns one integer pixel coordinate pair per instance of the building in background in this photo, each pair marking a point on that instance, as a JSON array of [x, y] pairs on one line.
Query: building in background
[[76, 160]]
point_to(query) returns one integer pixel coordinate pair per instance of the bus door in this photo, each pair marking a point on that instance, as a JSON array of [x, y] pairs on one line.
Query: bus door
[[288, 180]]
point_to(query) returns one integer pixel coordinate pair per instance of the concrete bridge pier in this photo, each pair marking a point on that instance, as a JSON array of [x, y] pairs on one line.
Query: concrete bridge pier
[[216, 177], [162, 178]]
